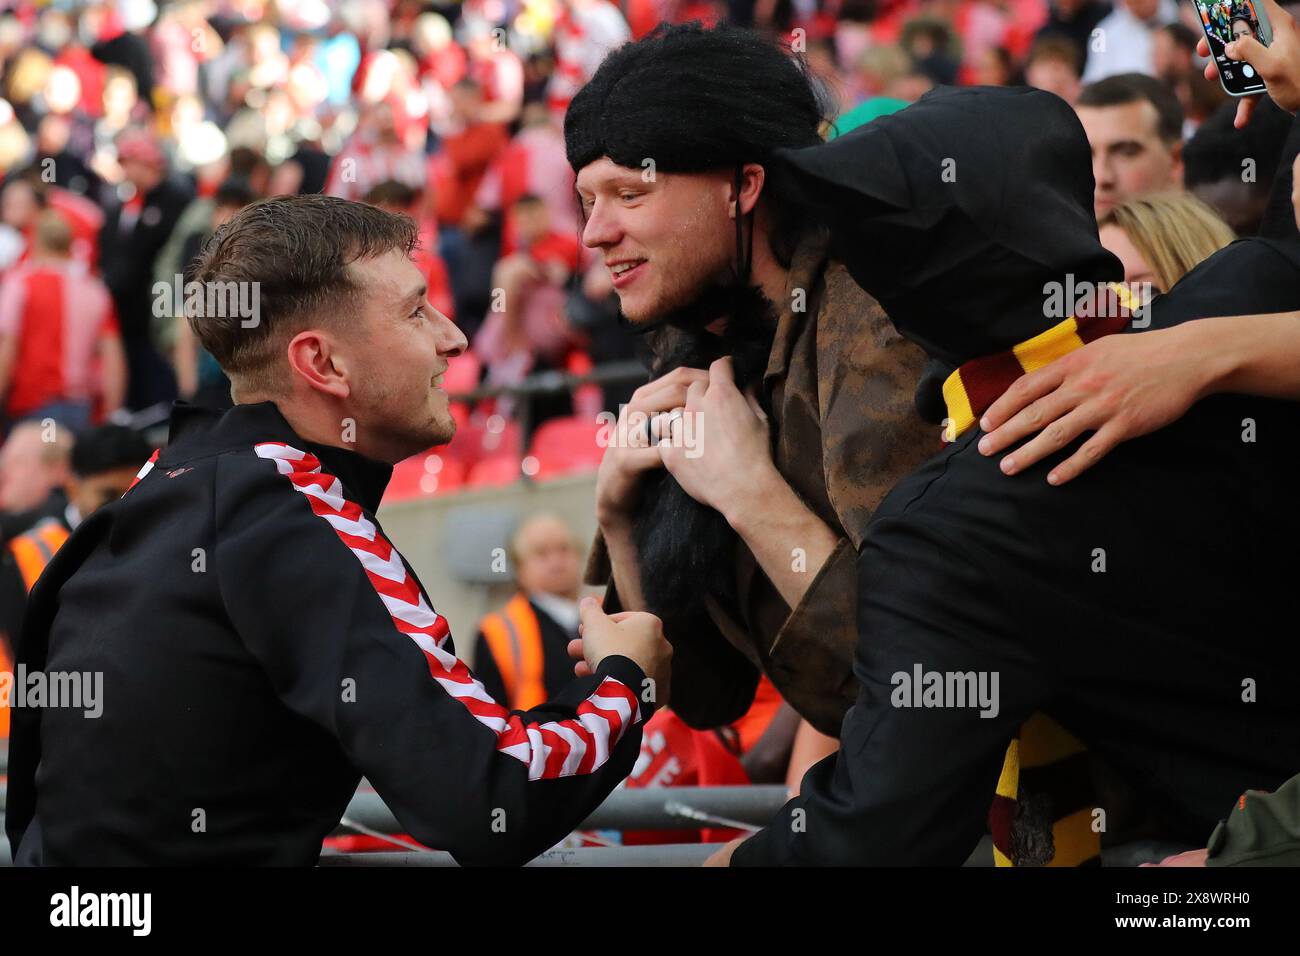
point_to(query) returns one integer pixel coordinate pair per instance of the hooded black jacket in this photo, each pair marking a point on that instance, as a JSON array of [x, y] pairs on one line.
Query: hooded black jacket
[[262, 647], [1147, 605]]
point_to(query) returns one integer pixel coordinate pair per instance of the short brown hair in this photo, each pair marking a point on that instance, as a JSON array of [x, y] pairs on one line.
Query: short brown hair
[[1124, 88], [1052, 47], [296, 249]]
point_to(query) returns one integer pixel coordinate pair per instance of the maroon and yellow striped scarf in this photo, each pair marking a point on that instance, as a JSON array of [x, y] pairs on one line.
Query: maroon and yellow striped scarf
[[1042, 812]]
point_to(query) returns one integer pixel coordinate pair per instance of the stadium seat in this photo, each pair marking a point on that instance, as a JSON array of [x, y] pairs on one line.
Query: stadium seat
[[494, 472], [479, 439], [567, 445], [462, 374], [422, 475]]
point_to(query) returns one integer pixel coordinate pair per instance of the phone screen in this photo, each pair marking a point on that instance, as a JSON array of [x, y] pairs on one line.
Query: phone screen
[[1228, 20]]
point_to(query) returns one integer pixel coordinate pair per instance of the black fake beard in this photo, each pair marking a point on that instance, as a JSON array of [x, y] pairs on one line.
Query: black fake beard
[[687, 550]]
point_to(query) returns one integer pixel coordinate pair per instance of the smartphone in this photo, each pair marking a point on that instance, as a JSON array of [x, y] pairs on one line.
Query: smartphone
[[1225, 21]]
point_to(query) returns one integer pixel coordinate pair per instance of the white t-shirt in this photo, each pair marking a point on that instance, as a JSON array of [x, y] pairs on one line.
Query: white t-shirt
[[1122, 43]]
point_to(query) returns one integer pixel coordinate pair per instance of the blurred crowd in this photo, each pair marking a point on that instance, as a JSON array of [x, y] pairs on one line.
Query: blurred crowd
[[130, 131]]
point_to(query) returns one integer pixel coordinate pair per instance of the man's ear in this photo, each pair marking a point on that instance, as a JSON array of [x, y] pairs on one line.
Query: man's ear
[[751, 187], [1176, 173], [314, 358]]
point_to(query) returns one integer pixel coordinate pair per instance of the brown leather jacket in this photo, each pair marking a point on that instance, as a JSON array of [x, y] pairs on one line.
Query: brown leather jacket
[[841, 384]]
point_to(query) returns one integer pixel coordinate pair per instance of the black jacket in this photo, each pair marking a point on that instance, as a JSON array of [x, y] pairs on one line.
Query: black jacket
[[1147, 605], [262, 647], [128, 250]]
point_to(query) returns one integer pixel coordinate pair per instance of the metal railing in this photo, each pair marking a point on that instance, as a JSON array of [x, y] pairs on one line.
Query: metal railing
[[650, 808], [661, 809], [672, 854]]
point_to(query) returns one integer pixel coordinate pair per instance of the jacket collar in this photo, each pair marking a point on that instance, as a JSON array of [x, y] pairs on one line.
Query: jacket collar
[[805, 271], [196, 431]]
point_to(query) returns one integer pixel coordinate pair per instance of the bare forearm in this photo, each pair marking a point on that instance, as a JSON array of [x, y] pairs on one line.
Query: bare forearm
[[1250, 354], [789, 542], [623, 563]]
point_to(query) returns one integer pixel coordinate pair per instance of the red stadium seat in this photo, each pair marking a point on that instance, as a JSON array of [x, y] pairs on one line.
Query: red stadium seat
[[462, 374], [423, 475], [494, 472], [478, 439], [565, 446]]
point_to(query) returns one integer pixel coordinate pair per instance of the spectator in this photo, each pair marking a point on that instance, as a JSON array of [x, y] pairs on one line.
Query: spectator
[[61, 353], [439, 59], [1134, 126], [585, 32], [392, 196], [1161, 238], [1175, 63], [241, 165], [373, 155], [823, 61], [498, 72], [1173, 49], [1074, 21], [104, 462], [533, 163], [526, 325], [456, 171], [199, 378], [122, 43], [54, 142], [881, 72], [26, 195], [120, 108], [521, 654], [994, 67], [1125, 38], [33, 473], [1232, 170], [307, 170], [1053, 65], [931, 45], [135, 231]]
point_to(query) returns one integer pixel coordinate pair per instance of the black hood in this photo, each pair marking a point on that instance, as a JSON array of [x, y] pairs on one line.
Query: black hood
[[926, 206]]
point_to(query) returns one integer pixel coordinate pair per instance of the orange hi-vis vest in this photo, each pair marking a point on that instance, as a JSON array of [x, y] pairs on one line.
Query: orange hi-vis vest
[[32, 551], [6, 667], [515, 639], [34, 548]]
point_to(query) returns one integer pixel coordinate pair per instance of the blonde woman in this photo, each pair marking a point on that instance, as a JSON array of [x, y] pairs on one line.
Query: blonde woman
[[1160, 238]]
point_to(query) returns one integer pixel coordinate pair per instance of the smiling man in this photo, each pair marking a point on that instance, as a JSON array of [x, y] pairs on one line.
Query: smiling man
[[800, 388], [262, 644]]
